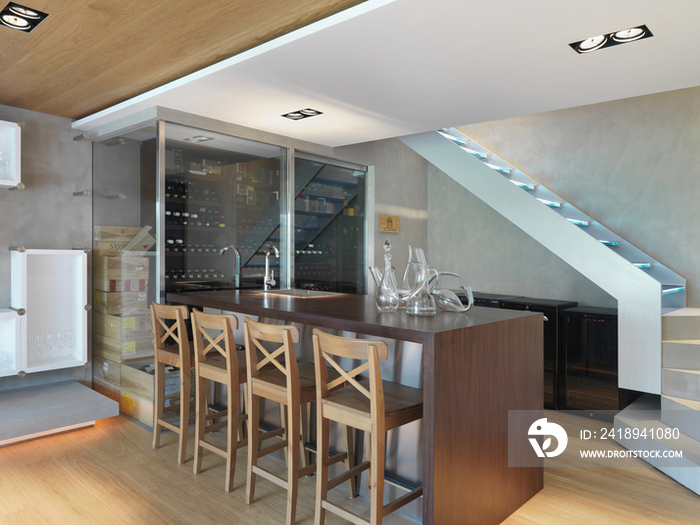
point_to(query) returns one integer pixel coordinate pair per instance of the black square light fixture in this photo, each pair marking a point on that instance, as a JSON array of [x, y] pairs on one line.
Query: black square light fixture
[[302, 114], [611, 39], [22, 18], [198, 139]]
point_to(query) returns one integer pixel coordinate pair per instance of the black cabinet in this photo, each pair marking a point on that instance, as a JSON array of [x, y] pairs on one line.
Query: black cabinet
[[552, 360], [491, 300], [589, 342]]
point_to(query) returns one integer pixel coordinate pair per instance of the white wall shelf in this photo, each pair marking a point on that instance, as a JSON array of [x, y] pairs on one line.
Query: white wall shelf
[[51, 287], [10, 154]]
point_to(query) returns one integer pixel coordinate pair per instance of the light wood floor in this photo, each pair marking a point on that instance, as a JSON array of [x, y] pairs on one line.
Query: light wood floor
[[108, 474]]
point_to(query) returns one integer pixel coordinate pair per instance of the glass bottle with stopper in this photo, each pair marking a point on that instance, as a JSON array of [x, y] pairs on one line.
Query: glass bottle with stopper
[[387, 298]]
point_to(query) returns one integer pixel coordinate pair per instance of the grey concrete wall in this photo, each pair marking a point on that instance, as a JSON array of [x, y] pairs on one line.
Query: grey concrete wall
[[45, 214], [400, 189], [631, 164]]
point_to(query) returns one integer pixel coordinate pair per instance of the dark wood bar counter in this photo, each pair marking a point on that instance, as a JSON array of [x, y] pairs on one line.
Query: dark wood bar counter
[[476, 367]]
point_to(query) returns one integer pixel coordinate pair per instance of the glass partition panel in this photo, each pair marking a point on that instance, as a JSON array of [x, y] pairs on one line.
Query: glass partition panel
[[221, 202], [329, 226], [124, 263]]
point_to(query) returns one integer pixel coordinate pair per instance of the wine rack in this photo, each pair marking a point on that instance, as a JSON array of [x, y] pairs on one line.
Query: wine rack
[[213, 204]]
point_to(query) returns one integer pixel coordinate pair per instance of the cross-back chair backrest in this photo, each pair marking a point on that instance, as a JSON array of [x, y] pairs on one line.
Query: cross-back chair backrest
[[207, 345], [168, 333], [328, 348], [256, 334]]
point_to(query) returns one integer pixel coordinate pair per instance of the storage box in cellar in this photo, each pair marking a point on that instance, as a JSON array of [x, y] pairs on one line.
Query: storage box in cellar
[[120, 303], [123, 328], [115, 240], [122, 273], [118, 350], [134, 405], [139, 377]]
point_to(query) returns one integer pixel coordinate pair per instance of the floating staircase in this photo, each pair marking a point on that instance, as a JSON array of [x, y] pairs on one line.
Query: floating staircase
[[640, 284], [679, 404], [673, 285]]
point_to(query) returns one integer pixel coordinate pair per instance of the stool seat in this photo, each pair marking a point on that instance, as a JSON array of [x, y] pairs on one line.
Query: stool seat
[[170, 355], [401, 403], [214, 368], [275, 379]]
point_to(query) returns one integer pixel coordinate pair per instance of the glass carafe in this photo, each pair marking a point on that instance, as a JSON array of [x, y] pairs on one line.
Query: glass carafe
[[421, 302], [387, 298]]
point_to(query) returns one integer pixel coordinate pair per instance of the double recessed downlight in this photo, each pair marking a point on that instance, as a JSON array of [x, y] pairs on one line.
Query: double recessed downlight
[[611, 39], [302, 114], [22, 18]]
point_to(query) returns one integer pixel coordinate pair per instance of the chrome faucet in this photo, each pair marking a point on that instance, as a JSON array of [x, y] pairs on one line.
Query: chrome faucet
[[237, 275], [269, 281]]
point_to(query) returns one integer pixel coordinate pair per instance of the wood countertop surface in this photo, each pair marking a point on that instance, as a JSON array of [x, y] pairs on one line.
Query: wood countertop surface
[[354, 313]]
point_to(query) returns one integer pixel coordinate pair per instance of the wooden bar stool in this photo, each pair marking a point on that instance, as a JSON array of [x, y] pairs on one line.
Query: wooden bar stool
[[372, 405], [169, 324], [291, 384], [216, 359]]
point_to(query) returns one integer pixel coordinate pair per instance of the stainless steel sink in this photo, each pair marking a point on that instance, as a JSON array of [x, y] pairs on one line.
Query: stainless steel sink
[[301, 294]]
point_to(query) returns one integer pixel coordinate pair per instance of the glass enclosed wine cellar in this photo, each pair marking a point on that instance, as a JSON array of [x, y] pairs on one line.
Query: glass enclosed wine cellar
[[206, 208]]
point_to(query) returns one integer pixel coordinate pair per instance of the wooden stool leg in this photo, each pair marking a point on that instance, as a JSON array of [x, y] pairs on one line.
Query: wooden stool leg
[[304, 424], [200, 418], [293, 436], [349, 442], [253, 432], [241, 431], [158, 403], [284, 423], [322, 453], [376, 496], [368, 454], [232, 428], [184, 414]]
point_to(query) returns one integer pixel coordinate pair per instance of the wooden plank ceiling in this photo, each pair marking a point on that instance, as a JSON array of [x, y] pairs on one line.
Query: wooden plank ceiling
[[91, 54]]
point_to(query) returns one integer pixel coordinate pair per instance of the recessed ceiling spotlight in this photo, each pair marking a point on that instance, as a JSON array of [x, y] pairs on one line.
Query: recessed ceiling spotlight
[[302, 114], [612, 39], [629, 35], [198, 138], [22, 18], [593, 43]]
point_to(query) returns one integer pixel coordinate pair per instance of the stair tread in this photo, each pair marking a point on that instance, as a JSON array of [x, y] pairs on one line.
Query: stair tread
[[684, 370], [683, 312], [682, 341], [695, 405]]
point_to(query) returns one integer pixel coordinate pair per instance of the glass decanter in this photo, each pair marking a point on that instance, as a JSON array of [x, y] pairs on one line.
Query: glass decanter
[[421, 302], [387, 299]]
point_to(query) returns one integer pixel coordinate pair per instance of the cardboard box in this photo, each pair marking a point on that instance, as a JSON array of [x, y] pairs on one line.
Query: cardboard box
[[119, 351], [126, 266], [124, 304], [119, 285], [115, 234], [142, 382], [106, 370], [135, 406], [123, 328]]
